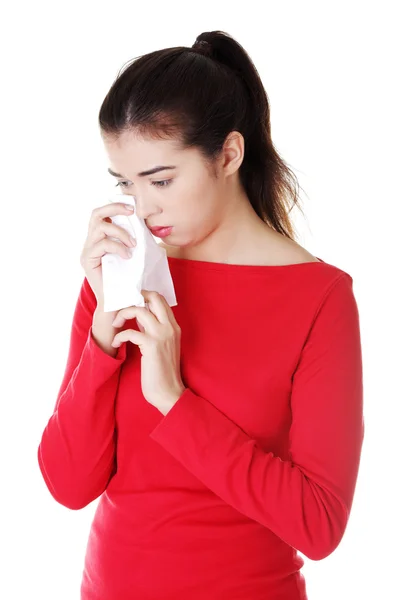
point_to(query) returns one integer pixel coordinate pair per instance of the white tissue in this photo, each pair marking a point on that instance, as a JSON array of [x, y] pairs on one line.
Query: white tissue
[[147, 269]]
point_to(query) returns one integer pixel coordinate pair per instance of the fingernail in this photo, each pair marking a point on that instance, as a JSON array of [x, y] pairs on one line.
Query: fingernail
[[129, 207]]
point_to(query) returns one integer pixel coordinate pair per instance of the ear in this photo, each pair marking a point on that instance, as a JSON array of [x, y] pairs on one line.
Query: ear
[[233, 152]]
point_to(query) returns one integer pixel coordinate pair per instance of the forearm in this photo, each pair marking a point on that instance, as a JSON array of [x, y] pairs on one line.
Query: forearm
[[77, 450]]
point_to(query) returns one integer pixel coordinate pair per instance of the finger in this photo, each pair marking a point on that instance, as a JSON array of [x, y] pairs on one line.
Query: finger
[[105, 246], [129, 335], [112, 209], [163, 307], [112, 231], [146, 318], [107, 211], [159, 307]]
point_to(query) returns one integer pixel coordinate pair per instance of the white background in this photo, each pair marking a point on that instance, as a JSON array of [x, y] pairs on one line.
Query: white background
[[330, 72]]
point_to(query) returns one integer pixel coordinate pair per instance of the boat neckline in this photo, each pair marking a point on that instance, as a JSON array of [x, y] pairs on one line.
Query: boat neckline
[[217, 266]]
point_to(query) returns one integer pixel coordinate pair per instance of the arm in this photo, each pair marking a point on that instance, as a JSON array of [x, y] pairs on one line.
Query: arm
[[76, 453], [306, 500], [103, 331]]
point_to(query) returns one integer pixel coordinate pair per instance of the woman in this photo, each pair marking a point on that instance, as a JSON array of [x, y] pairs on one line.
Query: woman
[[223, 435]]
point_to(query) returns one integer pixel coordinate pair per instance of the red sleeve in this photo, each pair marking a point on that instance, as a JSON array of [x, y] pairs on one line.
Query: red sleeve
[[306, 500], [76, 453]]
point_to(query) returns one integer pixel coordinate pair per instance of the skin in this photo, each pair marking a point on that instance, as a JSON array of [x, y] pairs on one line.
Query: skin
[[212, 221], [209, 210]]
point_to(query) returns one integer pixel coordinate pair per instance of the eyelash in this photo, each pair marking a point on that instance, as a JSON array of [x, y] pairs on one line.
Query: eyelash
[[167, 181]]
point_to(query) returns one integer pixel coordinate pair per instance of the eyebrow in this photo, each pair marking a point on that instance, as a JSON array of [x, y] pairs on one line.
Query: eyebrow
[[144, 173]]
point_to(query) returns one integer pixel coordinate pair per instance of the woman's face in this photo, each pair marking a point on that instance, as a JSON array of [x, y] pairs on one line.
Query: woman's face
[[188, 197]]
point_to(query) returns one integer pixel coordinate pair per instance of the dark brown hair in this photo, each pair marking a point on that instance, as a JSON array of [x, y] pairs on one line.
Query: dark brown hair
[[199, 95]]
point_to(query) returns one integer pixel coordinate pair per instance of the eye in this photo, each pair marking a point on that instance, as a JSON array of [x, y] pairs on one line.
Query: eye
[[159, 183], [122, 184]]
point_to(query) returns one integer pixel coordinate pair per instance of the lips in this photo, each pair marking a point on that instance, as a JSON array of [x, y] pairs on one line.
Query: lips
[[159, 228], [161, 232]]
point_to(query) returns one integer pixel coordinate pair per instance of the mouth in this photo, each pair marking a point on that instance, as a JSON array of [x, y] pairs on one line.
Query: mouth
[[161, 231]]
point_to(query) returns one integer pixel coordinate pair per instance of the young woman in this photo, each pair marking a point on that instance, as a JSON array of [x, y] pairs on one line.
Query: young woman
[[223, 435]]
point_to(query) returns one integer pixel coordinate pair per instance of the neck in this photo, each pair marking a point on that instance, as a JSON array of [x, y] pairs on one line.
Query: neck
[[239, 234]]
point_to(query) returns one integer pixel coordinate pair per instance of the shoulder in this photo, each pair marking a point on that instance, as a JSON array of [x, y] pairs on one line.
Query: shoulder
[[285, 251]]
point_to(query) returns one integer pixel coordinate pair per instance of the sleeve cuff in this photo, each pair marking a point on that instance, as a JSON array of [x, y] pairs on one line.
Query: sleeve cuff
[[172, 421], [195, 431], [101, 357]]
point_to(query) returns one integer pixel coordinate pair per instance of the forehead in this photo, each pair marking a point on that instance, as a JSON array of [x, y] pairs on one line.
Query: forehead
[[131, 152]]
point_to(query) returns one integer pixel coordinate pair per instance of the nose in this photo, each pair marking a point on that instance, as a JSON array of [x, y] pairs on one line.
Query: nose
[[143, 212]]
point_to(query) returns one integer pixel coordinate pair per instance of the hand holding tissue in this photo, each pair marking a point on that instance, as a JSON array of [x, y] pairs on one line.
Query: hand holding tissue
[[147, 269]]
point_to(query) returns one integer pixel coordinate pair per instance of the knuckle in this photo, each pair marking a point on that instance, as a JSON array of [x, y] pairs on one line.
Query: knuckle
[[170, 330]]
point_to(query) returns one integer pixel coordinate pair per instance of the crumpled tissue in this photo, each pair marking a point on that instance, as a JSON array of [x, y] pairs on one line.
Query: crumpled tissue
[[147, 269]]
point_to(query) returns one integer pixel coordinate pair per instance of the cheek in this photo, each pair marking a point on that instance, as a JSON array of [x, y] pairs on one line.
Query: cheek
[[197, 200], [201, 219], [197, 184]]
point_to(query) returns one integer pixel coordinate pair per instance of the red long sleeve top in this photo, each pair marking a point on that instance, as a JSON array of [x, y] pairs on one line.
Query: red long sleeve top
[[257, 460]]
